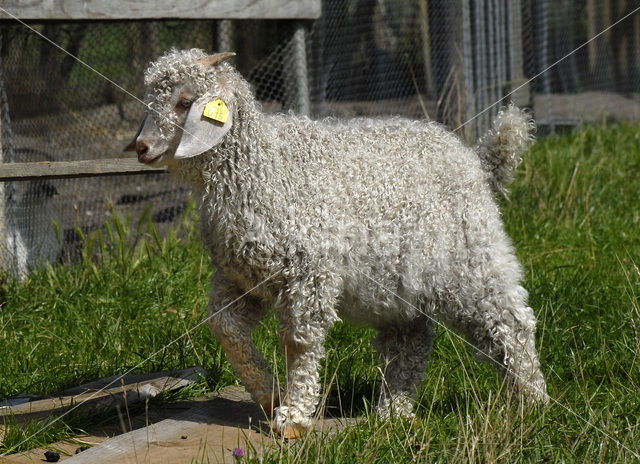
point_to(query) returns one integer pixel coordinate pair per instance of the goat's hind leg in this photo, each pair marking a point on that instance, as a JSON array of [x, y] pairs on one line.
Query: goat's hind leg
[[404, 351], [502, 326], [232, 327]]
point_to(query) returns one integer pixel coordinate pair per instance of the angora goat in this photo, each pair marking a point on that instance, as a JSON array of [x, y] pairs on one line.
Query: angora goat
[[387, 222]]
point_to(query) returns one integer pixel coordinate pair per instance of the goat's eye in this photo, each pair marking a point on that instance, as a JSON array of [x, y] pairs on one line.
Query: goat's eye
[[185, 102]]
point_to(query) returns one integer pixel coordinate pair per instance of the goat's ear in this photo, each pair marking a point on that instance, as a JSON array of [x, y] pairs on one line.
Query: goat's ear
[[208, 121], [215, 59]]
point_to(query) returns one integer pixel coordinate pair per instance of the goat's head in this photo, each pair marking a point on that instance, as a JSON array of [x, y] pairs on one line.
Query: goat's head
[[188, 107]]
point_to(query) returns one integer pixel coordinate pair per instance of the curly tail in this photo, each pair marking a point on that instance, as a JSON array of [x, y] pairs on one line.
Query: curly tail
[[500, 149]]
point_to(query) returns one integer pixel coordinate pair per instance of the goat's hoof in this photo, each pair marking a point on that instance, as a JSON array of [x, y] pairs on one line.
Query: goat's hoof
[[291, 431], [289, 422]]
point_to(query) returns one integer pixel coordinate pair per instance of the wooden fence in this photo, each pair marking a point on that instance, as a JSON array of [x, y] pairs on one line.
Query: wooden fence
[[73, 169]]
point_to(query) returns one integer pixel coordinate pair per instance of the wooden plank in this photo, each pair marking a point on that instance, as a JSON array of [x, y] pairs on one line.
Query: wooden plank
[[74, 169], [157, 9], [182, 432], [210, 429], [130, 389]]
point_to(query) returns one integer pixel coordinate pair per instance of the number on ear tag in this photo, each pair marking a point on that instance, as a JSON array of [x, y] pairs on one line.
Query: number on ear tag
[[216, 110]]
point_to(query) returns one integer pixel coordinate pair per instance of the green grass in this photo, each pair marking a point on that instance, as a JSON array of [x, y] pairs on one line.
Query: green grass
[[574, 216]]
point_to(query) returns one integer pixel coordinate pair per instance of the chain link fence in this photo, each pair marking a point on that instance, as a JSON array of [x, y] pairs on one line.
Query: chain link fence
[[445, 60]]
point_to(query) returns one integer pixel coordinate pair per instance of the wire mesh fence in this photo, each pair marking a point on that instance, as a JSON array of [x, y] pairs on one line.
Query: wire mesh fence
[[598, 81], [445, 60]]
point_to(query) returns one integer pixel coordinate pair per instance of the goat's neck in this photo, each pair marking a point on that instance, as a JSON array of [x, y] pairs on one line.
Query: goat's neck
[[230, 177]]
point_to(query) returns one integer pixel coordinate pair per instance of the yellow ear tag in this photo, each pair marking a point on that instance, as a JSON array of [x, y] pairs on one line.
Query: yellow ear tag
[[216, 110]]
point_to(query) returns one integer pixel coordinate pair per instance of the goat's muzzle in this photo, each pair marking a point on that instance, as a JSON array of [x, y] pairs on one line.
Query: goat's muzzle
[[146, 143]]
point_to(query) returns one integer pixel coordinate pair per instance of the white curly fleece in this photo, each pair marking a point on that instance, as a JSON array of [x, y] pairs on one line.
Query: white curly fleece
[[355, 216]]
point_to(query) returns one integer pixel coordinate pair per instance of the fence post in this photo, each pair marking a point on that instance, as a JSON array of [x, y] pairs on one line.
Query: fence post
[[541, 25], [4, 262], [224, 36], [469, 97], [426, 46], [302, 103], [515, 73], [13, 254]]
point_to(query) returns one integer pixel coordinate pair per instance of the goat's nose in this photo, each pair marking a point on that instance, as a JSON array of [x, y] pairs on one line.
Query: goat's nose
[[141, 147]]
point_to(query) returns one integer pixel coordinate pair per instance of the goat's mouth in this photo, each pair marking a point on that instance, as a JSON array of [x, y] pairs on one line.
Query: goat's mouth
[[150, 152], [150, 158]]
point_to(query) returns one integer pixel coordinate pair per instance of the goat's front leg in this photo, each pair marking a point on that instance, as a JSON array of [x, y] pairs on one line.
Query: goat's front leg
[[304, 323], [233, 326]]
